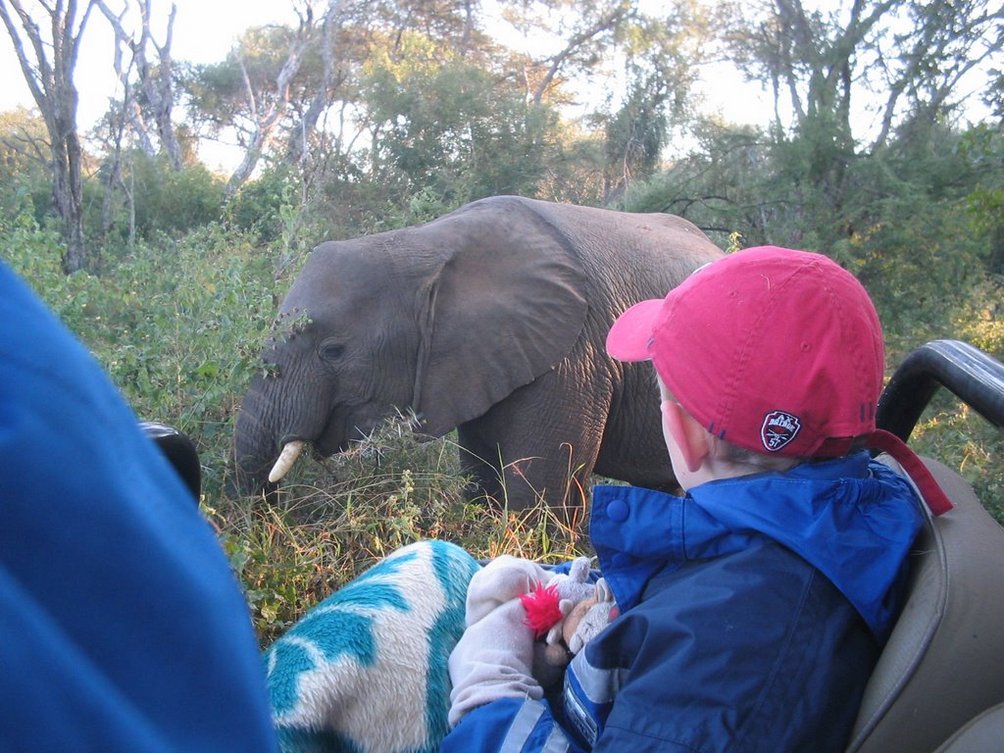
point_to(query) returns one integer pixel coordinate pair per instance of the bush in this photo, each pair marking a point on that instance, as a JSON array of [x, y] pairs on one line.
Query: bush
[[257, 207], [178, 327], [164, 201], [950, 430], [174, 202]]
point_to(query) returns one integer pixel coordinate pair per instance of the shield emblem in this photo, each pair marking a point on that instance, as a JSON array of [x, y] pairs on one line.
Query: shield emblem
[[778, 429]]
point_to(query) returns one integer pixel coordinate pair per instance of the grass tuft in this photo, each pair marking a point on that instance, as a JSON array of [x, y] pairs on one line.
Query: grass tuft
[[340, 516]]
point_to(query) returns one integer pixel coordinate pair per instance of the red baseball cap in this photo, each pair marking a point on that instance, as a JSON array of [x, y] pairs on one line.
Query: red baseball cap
[[774, 350]]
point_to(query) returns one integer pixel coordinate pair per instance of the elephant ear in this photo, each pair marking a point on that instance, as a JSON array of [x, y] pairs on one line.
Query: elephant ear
[[506, 307]]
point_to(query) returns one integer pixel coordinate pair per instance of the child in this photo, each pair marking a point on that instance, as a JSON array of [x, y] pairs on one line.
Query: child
[[753, 609]]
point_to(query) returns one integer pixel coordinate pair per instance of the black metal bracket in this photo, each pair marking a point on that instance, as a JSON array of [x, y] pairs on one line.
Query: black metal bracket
[[180, 451]]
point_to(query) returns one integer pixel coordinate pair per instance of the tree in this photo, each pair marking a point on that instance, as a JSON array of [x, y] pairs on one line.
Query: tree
[[728, 184], [324, 90], [25, 178], [821, 63], [579, 39], [946, 40], [661, 57], [48, 67], [274, 86], [265, 113], [147, 95], [905, 57], [445, 125], [155, 80]]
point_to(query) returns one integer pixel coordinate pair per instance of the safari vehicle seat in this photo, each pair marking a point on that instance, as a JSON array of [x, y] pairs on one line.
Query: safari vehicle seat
[[939, 684]]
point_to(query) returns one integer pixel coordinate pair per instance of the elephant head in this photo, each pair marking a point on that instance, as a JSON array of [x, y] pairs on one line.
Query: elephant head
[[446, 319]]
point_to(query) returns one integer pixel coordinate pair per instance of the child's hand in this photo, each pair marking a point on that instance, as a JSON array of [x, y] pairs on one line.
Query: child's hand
[[492, 660]]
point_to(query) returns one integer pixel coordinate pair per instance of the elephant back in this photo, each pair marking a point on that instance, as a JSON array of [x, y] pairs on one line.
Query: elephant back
[[636, 255]]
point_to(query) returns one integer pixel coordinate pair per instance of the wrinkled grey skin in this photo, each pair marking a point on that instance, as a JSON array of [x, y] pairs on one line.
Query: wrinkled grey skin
[[491, 320]]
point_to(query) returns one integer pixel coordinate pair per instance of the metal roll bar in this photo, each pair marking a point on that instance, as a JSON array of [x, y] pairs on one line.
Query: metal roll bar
[[973, 376]]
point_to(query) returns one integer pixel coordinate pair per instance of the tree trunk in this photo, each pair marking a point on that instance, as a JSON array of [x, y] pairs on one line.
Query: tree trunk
[[50, 80], [266, 121], [68, 197]]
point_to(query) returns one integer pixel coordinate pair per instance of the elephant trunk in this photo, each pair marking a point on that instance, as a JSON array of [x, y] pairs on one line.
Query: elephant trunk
[[256, 439], [276, 421]]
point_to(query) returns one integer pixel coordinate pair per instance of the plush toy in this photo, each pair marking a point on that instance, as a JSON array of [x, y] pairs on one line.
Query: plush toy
[[520, 620], [565, 615], [563, 609], [589, 617]]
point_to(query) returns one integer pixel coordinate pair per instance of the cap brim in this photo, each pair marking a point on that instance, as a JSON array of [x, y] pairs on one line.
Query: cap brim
[[630, 337]]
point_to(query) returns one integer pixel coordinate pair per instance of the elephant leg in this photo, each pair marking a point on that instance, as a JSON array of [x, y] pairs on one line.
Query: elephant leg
[[539, 443], [633, 449]]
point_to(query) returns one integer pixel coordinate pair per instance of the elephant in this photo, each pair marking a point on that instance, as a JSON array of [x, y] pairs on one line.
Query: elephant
[[490, 320]]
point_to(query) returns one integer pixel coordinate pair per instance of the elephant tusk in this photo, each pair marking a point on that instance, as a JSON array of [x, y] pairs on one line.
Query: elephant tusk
[[286, 459]]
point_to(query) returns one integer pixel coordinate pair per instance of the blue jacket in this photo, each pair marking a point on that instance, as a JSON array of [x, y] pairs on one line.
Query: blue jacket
[[122, 627], [752, 613]]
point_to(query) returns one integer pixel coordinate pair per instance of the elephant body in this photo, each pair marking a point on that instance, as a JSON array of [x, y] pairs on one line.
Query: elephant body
[[491, 320]]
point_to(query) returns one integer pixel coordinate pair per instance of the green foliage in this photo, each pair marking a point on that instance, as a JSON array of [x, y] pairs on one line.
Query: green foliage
[[728, 183], [949, 430], [979, 317], [983, 148], [957, 436], [218, 92], [25, 181], [636, 134], [178, 328], [447, 127], [258, 207], [172, 201], [34, 253]]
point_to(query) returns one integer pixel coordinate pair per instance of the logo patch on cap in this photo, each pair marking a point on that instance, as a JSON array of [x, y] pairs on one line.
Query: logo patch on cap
[[778, 429]]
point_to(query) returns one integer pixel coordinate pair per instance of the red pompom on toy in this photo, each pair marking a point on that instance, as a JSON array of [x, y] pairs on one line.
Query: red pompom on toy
[[542, 608]]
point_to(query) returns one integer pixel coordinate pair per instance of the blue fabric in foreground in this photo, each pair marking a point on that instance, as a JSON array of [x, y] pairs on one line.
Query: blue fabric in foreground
[[122, 627]]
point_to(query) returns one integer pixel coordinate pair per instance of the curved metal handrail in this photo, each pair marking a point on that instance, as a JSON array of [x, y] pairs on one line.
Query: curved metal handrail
[[973, 376]]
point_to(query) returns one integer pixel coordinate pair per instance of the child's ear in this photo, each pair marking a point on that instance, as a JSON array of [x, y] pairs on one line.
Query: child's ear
[[686, 433]]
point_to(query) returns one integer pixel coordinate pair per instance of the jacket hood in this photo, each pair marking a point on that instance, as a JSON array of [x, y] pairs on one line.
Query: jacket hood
[[851, 518]]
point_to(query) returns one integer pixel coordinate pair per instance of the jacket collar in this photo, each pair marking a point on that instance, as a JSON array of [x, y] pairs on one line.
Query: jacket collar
[[851, 519]]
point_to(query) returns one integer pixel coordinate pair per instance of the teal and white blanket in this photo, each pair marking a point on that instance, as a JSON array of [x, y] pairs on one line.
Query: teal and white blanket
[[365, 671]]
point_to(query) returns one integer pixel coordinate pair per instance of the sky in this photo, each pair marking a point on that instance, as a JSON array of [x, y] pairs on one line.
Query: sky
[[205, 30]]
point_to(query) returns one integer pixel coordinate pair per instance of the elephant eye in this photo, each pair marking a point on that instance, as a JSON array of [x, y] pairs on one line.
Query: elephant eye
[[332, 351]]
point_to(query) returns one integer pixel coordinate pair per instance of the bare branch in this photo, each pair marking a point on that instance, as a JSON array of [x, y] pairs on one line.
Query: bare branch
[[330, 24], [156, 82], [265, 122], [607, 22]]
